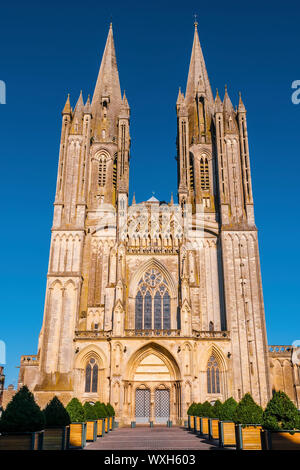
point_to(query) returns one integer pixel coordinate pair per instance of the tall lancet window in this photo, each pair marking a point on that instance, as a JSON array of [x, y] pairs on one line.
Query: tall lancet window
[[102, 171], [153, 302], [213, 376], [91, 376], [204, 174]]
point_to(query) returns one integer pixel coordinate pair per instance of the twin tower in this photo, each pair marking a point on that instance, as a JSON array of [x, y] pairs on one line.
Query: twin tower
[[152, 306]]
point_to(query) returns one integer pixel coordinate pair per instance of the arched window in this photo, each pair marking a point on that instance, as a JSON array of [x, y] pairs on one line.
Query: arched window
[[153, 302], [213, 376], [91, 376], [102, 171], [204, 174]]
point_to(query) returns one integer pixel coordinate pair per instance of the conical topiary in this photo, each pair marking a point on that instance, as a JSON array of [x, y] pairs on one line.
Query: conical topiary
[[90, 412], [191, 409], [55, 414], [100, 410], [105, 409], [216, 409], [228, 409], [198, 409], [22, 414], [110, 409], [248, 412], [75, 411], [206, 410], [281, 413]]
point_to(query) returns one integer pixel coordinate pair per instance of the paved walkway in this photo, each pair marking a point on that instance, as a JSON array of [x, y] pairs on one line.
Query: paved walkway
[[156, 438]]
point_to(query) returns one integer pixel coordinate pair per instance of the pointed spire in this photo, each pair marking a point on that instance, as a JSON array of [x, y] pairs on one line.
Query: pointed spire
[[241, 108], [108, 83], [67, 108], [172, 200], [227, 102], [197, 72], [79, 105], [218, 103], [179, 97], [87, 107], [125, 101], [133, 199]]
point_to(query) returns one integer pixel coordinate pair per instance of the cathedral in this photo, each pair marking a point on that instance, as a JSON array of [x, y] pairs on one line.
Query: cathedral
[[152, 305]]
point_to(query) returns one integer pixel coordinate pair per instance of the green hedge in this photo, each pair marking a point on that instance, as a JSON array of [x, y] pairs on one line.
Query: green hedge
[[248, 412], [90, 412], [22, 414], [228, 409], [55, 414], [75, 411], [281, 413]]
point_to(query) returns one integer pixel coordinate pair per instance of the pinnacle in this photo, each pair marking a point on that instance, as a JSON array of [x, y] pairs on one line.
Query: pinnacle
[[67, 108], [241, 108]]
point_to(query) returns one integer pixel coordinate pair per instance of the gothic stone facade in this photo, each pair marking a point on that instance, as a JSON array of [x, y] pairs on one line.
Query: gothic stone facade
[[152, 306]]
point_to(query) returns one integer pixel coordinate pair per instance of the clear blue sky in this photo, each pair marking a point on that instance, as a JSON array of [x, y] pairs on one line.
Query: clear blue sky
[[51, 49]]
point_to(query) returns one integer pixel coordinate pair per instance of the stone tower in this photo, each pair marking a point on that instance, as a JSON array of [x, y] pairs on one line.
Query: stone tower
[[152, 306]]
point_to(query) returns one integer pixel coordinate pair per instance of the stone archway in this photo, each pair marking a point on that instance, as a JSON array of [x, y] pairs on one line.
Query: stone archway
[[153, 369]]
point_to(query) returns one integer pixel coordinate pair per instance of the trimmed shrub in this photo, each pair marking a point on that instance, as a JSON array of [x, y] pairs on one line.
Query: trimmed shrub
[[206, 410], [228, 409], [248, 412], [110, 409], [22, 414], [198, 409], [100, 410], [281, 413], [191, 409], [90, 412], [216, 409], [55, 414], [75, 411]]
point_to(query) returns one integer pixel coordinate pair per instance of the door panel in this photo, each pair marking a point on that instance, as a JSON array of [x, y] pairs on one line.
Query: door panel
[[162, 406], [142, 405]]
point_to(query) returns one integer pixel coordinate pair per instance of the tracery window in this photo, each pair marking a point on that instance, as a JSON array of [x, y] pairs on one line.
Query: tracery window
[[152, 302], [102, 171], [91, 376], [213, 376], [204, 174]]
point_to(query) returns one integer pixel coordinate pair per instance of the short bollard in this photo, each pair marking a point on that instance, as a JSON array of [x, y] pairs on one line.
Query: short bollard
[[133, 424], [186, 424]]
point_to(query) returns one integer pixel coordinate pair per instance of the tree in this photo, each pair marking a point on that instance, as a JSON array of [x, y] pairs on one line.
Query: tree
[[248, 412], [206, 410], [110, 409], [228, 409], [22, 414], [100, 410], [75, 411], [90, 412], [281, 413], [191, 409], [198, 409], [216, 409], [55, 414]]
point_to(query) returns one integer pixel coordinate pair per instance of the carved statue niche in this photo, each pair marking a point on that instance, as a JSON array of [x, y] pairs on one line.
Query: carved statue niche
[[117, 358]]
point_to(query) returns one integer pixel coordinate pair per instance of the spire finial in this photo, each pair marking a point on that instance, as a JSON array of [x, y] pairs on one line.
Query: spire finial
[[195, 21]]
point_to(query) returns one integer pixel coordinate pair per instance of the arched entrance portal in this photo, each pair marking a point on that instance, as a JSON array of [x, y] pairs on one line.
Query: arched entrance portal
[[152, 388]]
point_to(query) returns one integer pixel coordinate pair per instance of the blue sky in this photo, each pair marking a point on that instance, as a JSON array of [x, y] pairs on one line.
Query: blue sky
[[51, 49]]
